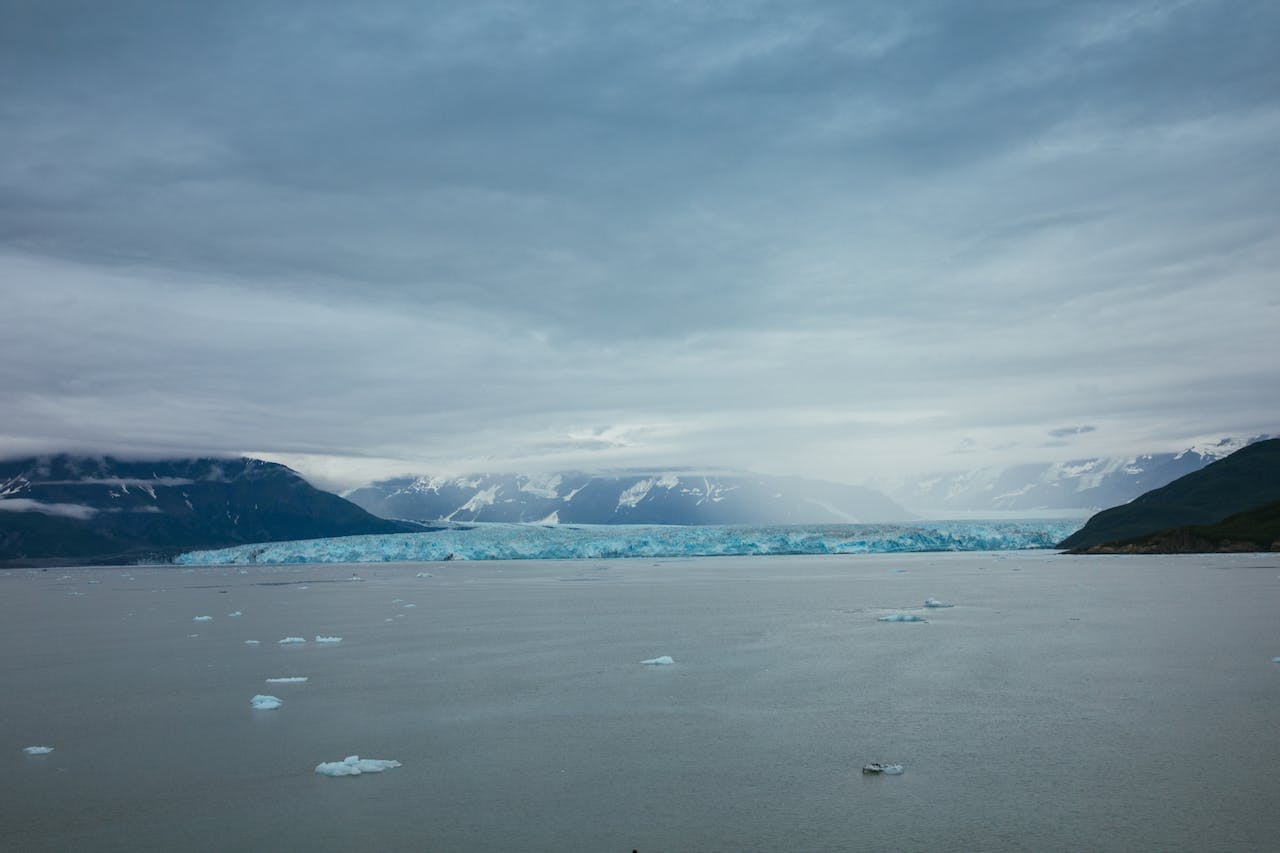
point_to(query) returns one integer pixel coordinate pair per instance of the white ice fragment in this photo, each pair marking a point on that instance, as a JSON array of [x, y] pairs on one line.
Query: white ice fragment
[[423, 574], [38, 750], [903, 617], [410, 605], [236, 613], [201, 618], [265, 703], [933, 602], [291, 679], [886, 769], [289, 641], [253, 642], [320, 639], [354, 765], [664, 660]]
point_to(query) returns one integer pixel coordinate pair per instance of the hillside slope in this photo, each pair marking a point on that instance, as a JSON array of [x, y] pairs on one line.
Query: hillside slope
[[1245, 480], [103, 510]]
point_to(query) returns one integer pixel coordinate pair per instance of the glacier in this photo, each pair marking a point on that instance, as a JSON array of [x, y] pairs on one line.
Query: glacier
[[500, 541]]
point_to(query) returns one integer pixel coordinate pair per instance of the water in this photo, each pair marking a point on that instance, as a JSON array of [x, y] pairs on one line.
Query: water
[[1064, 703]]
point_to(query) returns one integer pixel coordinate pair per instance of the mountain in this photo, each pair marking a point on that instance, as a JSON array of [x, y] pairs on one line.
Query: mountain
[[1245, 480], [73, 509], [1252, 530], [1080, 484], [630, 498]]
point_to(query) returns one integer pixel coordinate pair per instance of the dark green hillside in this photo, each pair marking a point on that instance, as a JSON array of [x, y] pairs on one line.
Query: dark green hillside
[[1245, 480], [1253, 530]]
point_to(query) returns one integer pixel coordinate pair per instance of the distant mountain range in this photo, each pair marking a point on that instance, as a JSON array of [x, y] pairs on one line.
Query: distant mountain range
[[626, 498], [1082, 484], [1195, 511], [74, 509]]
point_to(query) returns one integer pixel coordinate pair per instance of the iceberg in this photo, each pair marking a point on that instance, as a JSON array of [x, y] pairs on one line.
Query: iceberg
[[903, 617], [494, 541], [291, 679], [664, 660], [887, 769], [201, 618], [253, 642], [933, 602], [38, 750], [354, 765], [235, 613], [289, 641], [265, 703], [320, 639]]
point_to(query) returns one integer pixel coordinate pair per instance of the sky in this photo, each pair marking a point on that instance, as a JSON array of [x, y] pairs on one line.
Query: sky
[[838, 240]]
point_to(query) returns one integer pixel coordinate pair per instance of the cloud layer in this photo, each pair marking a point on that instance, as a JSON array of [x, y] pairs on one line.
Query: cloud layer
[[801, 238]]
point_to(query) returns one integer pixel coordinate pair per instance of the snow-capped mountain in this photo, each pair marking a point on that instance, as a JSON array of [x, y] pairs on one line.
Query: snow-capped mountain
[[1082, 484], [99, 509], [625, 498]]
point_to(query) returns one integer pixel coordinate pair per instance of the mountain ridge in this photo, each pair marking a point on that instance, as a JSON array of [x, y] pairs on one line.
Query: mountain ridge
[[639, 497], [66, 509], [1243, 481]]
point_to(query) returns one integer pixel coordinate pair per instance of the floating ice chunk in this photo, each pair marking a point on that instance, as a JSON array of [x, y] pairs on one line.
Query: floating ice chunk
[[903, 617], [265, 703], [291, 679], [320, 639], [886, 769], [423, 574], [933, 602], [664, 660], [410, 605], [38, 750], [192, 636], [289, 641], [236, 613], [354, 765], [1275, 660], [397, 600], [201, 618]]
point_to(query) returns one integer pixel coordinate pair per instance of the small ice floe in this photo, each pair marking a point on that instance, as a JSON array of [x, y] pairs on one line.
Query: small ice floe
[[265, 703], [356, 577], [354, 765], [903, 617], [253, 642], [201, 618], [933, 602], [38, 750], [192, 636], [75, 592], [235, 613], [423, 574], [410, 605], [320, 639], [1275, 660], [289, 641], [397, 600], [291, 679], [886, 769], [664, 660]]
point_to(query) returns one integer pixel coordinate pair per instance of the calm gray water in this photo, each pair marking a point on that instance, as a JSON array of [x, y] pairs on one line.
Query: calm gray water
[[1065, 703]]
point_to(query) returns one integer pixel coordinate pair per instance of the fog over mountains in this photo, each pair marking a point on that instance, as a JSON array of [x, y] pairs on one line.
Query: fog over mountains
[[1082, 484], [626, 498]]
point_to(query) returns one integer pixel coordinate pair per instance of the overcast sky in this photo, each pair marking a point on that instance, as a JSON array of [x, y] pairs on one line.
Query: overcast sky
[[829, 239]]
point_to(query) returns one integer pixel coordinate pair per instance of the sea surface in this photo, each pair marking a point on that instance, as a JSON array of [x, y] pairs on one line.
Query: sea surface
[[1064, 703]]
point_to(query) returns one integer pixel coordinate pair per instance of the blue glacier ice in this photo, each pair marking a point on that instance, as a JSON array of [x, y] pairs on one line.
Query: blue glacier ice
[[603, 541]]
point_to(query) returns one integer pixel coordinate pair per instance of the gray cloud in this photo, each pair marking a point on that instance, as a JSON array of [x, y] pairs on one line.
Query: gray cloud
[[808, 237]]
